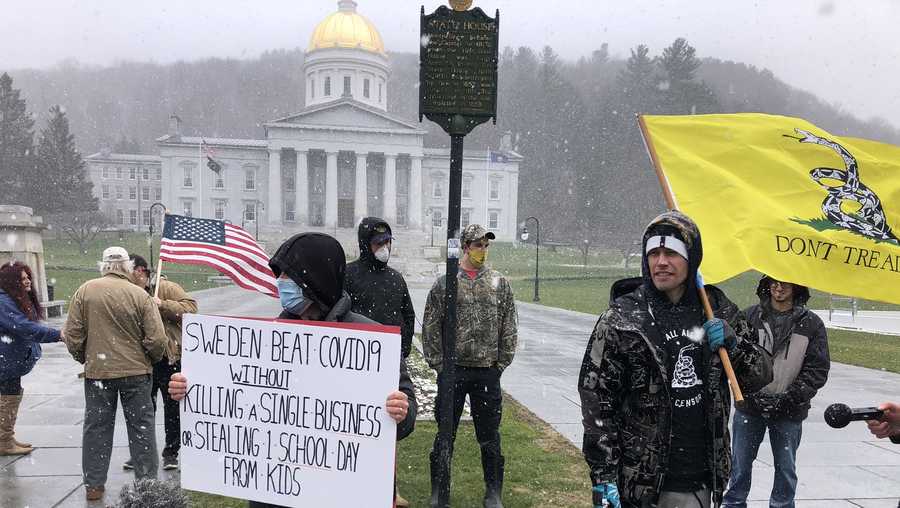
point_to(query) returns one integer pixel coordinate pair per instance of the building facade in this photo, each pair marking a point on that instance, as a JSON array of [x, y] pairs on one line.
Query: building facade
[[340, 158]]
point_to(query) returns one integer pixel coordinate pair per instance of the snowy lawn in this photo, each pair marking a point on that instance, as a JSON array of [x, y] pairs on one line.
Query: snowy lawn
[[68, 267]]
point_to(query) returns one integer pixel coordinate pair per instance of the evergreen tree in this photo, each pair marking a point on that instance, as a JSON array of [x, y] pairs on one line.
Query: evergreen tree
[[16, 143], [60, 183], [682, 93]]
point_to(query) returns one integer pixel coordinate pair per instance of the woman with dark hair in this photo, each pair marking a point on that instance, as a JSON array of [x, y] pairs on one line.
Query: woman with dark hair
[[20, 338]]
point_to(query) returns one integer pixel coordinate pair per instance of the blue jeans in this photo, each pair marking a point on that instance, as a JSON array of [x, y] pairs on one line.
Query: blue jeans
[[746, 434]]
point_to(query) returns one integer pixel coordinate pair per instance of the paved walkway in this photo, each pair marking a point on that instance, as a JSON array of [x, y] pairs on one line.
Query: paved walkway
[[836, 467]]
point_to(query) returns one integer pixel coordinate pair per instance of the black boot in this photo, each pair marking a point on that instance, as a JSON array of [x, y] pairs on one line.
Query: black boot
[[436, 470], [492, 466]]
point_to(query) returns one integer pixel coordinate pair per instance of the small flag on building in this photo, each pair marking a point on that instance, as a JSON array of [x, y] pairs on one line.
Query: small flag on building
[[498, 156], [221, 246], [209, 154]]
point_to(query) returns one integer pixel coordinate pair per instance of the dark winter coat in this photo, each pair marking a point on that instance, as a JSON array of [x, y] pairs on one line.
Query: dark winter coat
[[800, 360], [625, 387], [316, 262], [378, 291], [20, 340]]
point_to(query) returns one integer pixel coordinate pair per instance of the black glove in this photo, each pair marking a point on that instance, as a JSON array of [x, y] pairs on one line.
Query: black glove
[[771, 405]]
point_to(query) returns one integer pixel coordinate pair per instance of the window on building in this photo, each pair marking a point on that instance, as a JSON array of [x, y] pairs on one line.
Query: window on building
[[289, 183], [132, 217], [220, 209], [250, 212], [289, 215], [105, 172], [467, 188], [105, 191], [366, 88], [118, 192], [327, 86], [120, 217], [132, 192], [249, 179], [145, 193], [437, 218], [118, 173], [219, 180], [132, 173], [146, 173], [494, 189], [188, 177], [347, 85], [312, 89], [157, 193], [146, 216], [493, 219], [465, 217], [437, 188], [157, 174], [188, 208]]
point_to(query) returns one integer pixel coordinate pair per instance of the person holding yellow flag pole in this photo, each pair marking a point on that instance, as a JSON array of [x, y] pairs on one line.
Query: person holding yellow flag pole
[[654, 395], [654, 383]]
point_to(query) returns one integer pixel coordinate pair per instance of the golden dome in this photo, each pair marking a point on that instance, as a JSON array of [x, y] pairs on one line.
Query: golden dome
[[346, 29]]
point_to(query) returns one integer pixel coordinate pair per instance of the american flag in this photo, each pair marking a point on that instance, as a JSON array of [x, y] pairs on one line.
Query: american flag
[[216, 244], [209, 153]]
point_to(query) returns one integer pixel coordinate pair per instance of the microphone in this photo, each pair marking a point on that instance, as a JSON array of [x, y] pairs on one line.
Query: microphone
[[839, 416]]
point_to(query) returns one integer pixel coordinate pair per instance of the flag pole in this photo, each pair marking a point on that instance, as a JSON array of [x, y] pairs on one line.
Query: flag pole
[[704, 299], [160, 262]]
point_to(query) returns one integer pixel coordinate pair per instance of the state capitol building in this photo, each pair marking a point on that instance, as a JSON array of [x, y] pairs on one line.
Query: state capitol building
[[340, 158]]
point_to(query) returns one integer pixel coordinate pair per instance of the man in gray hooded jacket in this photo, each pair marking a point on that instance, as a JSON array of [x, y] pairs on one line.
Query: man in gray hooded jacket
[[796, 338]]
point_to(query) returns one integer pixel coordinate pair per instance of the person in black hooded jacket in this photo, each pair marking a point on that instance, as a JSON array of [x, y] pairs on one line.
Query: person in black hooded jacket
[[309, 268], [377, 291], [795, 336]]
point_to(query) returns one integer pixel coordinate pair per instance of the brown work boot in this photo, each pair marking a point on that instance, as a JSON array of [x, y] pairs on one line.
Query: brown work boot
[[94, 493], [9, 407], [18, 402]]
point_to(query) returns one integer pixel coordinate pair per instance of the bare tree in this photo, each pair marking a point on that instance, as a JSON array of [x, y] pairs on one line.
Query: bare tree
[[80, 227]]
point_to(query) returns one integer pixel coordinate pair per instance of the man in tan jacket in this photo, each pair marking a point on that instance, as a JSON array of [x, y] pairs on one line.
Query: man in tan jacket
[[173, 302], [114, 329]]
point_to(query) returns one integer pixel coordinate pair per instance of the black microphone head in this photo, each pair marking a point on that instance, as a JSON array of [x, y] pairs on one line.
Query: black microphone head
[[838, 415]]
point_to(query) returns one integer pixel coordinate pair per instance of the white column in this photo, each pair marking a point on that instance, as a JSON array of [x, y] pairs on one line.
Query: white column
[[274, 204], [361, 208], [390, 188], [301, 188], [415, 193], [331, 190]]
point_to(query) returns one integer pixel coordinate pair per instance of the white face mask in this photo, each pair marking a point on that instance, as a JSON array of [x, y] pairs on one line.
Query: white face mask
[[383, 254]]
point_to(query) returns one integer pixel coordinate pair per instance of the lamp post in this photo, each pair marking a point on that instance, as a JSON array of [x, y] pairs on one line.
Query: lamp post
[[150, 234], [537, 254]]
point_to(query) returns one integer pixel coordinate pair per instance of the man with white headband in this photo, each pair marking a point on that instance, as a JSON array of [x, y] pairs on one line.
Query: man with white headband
[[655, 398]]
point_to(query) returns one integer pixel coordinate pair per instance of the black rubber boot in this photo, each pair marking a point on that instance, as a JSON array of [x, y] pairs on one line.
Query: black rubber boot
[[436, 468], [492, 465]]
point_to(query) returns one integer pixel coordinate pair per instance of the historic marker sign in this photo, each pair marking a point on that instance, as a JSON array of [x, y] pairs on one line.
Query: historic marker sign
[[458, 65], [290, 413]]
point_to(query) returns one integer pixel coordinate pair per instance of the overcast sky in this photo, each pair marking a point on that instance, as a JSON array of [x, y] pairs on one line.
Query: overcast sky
[[846, 52]]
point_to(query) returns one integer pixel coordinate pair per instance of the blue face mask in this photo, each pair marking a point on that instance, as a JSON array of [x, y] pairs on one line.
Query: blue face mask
[[291, 296]]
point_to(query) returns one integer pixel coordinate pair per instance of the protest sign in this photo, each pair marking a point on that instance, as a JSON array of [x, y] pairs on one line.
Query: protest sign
[[289, 412]]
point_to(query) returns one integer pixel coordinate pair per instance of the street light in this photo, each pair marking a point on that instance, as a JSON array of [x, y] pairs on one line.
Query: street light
[[537, 254], [150, 234]]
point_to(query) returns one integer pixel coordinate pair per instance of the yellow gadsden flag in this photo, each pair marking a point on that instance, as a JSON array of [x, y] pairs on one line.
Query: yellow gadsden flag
[[784, 197]]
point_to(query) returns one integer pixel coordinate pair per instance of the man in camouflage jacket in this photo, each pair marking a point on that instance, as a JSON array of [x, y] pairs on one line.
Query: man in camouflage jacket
[[655, 402], [485, 345]]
